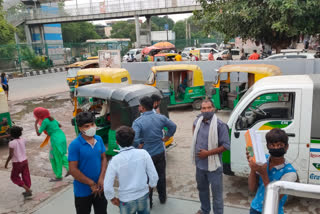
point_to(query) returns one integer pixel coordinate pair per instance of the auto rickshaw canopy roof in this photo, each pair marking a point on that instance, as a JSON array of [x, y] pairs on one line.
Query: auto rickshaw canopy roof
[[197, 72], [92, 57], [262, 69], [130, 94], [83, 64], [110, 75], [166, 54]]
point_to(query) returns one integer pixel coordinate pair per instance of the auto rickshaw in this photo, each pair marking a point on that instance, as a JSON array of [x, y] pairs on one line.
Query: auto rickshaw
[[232, 81], [106, 75], [75, 67], [114, 105], [182, 83], [165, 57], [5, 119]]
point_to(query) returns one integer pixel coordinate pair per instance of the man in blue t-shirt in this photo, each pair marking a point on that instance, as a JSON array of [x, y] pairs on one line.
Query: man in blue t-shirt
[[88, 163], [276, 169]]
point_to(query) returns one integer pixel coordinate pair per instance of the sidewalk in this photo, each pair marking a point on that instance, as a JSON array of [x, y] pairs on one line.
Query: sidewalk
[[63, 202]]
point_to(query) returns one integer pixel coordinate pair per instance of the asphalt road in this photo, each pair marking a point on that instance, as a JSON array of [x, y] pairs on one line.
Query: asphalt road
[[37, 86]]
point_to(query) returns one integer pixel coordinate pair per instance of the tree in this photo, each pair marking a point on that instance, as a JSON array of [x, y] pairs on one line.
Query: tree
[[274, 22], [124, 29], [180, 29], [77, 32], [161, 21]]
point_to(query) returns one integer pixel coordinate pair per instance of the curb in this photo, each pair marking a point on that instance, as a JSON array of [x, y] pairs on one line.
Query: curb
[[13, 75]]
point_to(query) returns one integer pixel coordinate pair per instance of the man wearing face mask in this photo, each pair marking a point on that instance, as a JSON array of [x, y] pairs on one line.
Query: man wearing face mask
[[149, 136], [210, 139], [88, 163], [276, 169]]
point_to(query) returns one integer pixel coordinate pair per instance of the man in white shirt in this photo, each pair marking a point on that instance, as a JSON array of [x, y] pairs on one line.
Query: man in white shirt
[[135, 172]]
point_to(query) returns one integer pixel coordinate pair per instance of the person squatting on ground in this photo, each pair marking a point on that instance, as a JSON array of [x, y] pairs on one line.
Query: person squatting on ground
[[210, 139], [276, 169], [4, 84], [149, 136], [88, 163], [135, 172], [17, 153], [58, 141]]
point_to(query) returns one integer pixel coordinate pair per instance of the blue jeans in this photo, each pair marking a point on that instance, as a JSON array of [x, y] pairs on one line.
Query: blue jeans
[[253, 211], [140, 206], [204, 180]]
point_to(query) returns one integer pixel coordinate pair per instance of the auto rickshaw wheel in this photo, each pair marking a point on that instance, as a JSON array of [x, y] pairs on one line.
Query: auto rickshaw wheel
[[196, 105]]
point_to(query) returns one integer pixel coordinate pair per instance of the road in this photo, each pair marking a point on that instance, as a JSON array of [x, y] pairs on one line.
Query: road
[[31, 92]]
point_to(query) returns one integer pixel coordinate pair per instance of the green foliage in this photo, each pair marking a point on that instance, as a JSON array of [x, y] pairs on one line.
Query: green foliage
[[6, 31], [274, 22], [78, 32], [161, 21], [124, 29], [180, 29], [34, 61]]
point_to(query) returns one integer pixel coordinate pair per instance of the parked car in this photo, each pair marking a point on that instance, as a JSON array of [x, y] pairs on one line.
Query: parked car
[[210, 45], [290, 55], [223, 54], [188, 49], [204, 52], [136, 55]]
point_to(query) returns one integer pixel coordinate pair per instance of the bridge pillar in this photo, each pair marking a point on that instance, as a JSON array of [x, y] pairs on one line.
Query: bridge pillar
[[138, 43], [148, 29], [27, 31]]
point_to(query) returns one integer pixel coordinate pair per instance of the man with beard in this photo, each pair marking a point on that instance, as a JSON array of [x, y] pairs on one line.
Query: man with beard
[[210, 139], [149, 136], [276, 169]]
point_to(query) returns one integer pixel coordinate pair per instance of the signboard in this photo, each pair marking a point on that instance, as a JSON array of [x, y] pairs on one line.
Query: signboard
[[109, 58], [166, 27]]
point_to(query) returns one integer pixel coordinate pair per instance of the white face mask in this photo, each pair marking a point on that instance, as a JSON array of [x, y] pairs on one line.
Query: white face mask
[[90, 132]]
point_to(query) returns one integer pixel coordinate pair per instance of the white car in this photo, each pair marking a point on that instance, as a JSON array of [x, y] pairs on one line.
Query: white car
[[204, 53], [289, 55], [188, 49], [136, 55], [210, 45], [223, 54]]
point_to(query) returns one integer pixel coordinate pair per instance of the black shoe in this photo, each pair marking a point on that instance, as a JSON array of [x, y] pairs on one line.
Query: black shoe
[[27, 194], [55, 179]]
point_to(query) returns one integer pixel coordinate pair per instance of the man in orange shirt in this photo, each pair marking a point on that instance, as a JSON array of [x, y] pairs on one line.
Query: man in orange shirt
[[178, 57], [210, 56], [254, 56]]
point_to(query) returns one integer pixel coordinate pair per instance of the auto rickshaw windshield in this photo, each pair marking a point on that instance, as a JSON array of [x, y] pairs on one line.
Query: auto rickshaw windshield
[[72, 72]]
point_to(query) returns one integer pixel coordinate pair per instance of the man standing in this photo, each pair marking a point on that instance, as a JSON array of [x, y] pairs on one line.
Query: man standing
[[156, 103], [87, 164], [135, 176], [210, 56], [178, 57], [210, 139], [254, 56], [149, 136]]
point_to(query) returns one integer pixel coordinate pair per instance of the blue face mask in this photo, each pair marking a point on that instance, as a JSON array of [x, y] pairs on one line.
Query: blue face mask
[[207, 115]]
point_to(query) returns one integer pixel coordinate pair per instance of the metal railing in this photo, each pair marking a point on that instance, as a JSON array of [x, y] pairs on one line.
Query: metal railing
[[94, 8], [274, 189]]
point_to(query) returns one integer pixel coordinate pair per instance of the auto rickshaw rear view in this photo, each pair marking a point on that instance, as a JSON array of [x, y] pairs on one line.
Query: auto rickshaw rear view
[[232, 81], [183, 84], [5, 119], [114, 105], [75, 67]]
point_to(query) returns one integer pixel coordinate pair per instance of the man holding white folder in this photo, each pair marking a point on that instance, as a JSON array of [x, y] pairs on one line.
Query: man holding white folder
[[210, 139], [276, 169]]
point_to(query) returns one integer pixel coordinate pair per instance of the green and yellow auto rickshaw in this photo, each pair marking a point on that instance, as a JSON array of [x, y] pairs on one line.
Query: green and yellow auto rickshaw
[[182, 83], [232, 81], [113, 105], [73, 69], [5, 119]]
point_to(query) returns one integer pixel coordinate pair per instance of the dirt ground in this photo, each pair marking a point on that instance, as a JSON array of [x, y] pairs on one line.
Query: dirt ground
[[180, 172]]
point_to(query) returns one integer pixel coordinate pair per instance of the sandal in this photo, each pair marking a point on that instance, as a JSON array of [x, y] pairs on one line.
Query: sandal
[[55, 179]]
